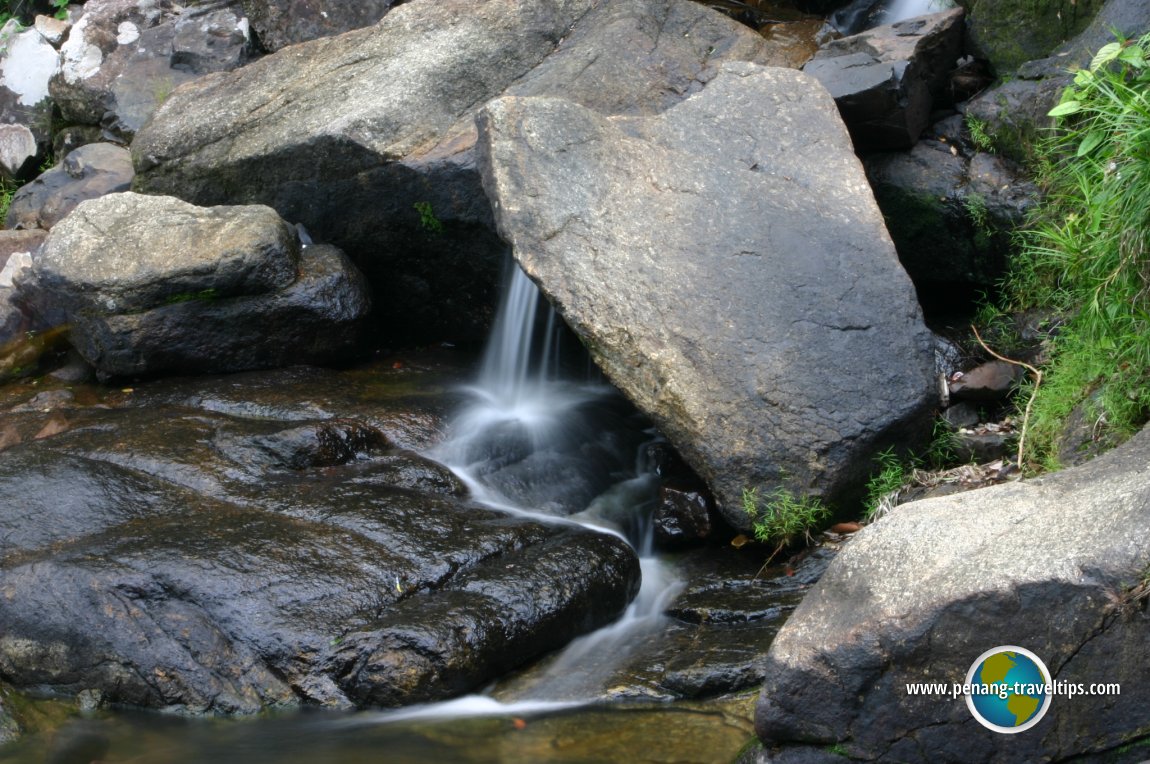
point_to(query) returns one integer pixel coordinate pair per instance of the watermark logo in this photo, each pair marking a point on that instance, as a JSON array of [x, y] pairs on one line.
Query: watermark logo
[[1009, 689]]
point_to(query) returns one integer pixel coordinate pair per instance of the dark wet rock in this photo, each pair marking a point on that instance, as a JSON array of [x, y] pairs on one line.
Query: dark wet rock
[[1055, 563], [990, 381], [223, 564], [285, 22], [1014, 112], [155, 284], [995, 27], [951, 217], [886, 80], [773, 399], [89, 172], [123, 58], [367, 138], [683, 515], [961, 415], [798, 754], [980, 447]]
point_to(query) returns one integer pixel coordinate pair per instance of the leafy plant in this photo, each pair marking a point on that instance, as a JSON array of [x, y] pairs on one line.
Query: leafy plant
[[978, 213], [427, 219], [782, 518], [1088, 253], [8, 190], [61, 7]]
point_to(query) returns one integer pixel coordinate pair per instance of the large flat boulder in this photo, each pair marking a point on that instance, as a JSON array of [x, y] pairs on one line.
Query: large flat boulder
[[151, 283], [1056, 565], [272, 543], [368, 138], [726, 265]]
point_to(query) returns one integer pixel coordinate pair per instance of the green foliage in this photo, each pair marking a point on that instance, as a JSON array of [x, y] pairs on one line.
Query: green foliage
[[1087, 255], [204, 295], [883, 487], [61, 7], [979, 134], [427, 219], [7, 191], [781, 518], [976, 210]]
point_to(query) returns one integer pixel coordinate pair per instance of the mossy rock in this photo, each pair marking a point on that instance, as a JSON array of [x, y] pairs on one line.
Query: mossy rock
[[994, 28]]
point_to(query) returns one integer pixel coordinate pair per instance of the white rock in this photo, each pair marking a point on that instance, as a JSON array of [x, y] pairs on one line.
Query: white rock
[[17, 144], [81, 59], [17, 262], [28, 64]]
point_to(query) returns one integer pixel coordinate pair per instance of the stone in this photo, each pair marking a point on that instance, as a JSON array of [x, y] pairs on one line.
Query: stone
[[995, 24], [951, 218], [682, 515], [251, 553], [1014, 112], [28, 63], [886, 80], [961, 415], [156, 284], [16, 249], [367, 138], [9, 727], [18, 150], [52, 29], [89, 172], [756, 378], [210, 39], [990, 381], [1055, 564], [279, 23], [124, 58]]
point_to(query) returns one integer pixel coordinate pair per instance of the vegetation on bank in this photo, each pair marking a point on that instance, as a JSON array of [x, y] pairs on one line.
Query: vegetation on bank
[[1084, 260]]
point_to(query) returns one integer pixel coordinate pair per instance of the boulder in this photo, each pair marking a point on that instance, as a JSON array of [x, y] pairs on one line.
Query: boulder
[[89, 172], [951, 218], [727, 267], [886, 80], [123, 58], [1056, 565], [250, 554], [1014, 112], [27, 63], [278, 23], [995, 27], [9, 728], [156, 284], [18, 150], [367, 139]]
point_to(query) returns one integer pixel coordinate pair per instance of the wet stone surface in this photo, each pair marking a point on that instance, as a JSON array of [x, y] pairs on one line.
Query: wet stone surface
[[268, 539]]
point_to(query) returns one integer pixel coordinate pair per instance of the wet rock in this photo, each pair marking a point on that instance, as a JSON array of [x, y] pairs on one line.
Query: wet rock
[[980, 447], [991, 381], [182, 576], [285, 22], [1014, 112], [886, 80], [758, 404], [1053, 563], [9, 728], [376, 152], [153, 283], [995, 24], [961, 415], [89, 172], [682, 515], [951, 217]]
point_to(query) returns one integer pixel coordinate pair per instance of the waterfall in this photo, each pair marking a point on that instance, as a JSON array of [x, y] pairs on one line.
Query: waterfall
[[897, 10], [534, 442]]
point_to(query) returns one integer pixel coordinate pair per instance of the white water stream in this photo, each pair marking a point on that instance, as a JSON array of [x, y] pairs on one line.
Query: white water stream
[[907, 9], [523, 412]]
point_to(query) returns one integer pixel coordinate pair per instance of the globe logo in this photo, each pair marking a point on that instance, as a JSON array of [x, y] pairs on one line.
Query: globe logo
[[1010, 689]]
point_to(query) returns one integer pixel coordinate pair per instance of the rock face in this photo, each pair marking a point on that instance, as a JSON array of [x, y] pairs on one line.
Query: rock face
[[897, 606], [885, 80], [727, 267], [273, 543], [89, 172], [950, 217], [286, 22], [367, 138], [123, 58], [995, 27], [153, 283]]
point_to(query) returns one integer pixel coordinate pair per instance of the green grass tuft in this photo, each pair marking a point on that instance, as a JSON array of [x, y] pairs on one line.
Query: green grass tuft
[[782, 518]]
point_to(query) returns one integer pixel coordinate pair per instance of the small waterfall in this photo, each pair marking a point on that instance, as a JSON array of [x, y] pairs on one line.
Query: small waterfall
[[897, 10], [535, 443], [861, 15]]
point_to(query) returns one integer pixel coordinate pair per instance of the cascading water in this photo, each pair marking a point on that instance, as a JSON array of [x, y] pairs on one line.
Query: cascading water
[[533, 442], [906, 9], [865, 14]]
